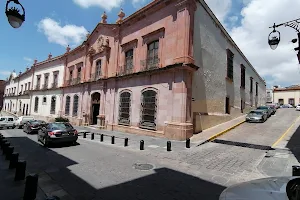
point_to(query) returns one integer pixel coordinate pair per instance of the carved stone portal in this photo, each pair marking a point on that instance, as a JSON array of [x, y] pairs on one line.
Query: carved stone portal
[[102, 43]]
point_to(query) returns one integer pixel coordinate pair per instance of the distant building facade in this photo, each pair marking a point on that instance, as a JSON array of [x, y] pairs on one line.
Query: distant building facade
[[2, 88], [288, 95], [269, 97], [145, 75]]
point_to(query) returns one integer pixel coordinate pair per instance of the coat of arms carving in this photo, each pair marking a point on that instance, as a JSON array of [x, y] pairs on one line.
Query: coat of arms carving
[[102, 43]]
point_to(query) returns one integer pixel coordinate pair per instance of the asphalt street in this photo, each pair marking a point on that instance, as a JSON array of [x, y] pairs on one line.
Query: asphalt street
[[95, 170]]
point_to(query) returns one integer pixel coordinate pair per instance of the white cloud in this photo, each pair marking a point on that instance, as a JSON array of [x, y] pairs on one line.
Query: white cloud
[[28, 59], [107, 5], [252, 37], [220, 8], [138, 3], [63, 35]]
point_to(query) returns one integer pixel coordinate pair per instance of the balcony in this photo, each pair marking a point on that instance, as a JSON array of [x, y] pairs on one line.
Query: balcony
[[45, 86], [26, 92], [68, 82], [54, 85], [124, 70], [76, 81], [38, 86], [95, 76], [150, 64]]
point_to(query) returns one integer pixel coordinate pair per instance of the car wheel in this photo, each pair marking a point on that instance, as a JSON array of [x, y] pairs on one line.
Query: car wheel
[[13, 126], [45, 142]]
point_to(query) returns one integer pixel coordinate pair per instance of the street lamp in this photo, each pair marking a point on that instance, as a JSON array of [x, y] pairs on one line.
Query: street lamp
[[14, 17], [274, 36]]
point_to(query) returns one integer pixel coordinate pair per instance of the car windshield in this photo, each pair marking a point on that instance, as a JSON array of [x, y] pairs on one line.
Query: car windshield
[[36, 122], [263, 107], [60, 126], [255, 113], [2, 119]]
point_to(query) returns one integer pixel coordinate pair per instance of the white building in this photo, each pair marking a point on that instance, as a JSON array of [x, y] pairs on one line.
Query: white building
[[288, 95], [269, 97], [10, 93]]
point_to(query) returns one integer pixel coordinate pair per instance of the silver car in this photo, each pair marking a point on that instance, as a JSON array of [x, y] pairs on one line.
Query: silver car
[[7, 122], [257, 116]]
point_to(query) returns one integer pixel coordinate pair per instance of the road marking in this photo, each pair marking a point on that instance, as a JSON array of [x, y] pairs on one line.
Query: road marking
[[285, 133], [153, 146]]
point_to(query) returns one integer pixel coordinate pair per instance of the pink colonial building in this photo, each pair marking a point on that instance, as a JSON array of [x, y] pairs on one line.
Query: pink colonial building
[[169, 70]]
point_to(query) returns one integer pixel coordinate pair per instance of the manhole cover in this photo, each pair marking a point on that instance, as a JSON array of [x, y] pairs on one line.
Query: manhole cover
[[143, 166]]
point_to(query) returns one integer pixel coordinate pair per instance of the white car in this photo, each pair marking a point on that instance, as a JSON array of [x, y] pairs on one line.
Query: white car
[[298, 107], [20, 121], [7, 122]]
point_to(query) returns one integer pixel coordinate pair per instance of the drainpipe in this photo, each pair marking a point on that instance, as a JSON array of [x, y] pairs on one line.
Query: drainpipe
[[33, 72]]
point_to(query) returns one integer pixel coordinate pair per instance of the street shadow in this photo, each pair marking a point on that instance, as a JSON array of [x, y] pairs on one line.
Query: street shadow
[[160, 183], [294, 144]]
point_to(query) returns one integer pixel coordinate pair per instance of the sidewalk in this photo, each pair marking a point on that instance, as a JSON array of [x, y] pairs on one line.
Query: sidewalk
[[212, 133]]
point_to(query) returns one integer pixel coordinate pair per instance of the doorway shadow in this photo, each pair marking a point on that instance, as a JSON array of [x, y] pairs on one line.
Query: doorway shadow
[[294, 144]]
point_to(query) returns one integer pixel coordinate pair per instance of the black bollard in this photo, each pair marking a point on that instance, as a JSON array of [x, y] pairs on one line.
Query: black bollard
[[112, 139], [169, 146], [101, 138], [13, 160], [9, 151], [142, 145], [5, 147], [296, 170], [20, 170], [92, 136], [84, 135], [188, 143], [126, 142], [2, 142], [31, 185]]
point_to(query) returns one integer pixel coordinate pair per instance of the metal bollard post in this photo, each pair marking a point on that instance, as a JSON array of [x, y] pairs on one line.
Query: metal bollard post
[[31, 185], [5, 147], [142, 143], [9, 151], [84, 135], [2, 143], [296, 170], [188, 143], [126, 142], [13, 160], [92, 136], [20, 170], [101, 138], [169, 146], [112, 139]]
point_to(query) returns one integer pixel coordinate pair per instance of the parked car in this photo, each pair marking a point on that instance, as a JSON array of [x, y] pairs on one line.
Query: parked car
[[33, 126], [257, 116], [273, 107], [268, 109], [57, 132], [7, 122], [286, 106], [298, 107], [21, 120], [277, 105]]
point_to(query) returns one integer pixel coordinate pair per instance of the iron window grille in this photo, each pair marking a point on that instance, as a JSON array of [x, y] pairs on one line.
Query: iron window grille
[[124, 108], [129, 59], [36, 104], [98, 69], [251, 85], [243, 76], [67, 108], [79, 73], [75, 105], [148, 110], [256, 89], [53, 105], [230, 56]]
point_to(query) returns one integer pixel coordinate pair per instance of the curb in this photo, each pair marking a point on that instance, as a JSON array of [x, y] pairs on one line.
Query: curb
[[222, 133]]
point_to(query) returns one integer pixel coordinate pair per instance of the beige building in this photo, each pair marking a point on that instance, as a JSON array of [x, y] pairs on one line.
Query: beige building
[[289, 95]]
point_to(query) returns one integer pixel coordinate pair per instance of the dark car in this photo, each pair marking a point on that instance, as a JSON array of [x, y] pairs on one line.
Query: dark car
[[33, 126], [273, 107], [268, 109], [57, 132], [257, 116]]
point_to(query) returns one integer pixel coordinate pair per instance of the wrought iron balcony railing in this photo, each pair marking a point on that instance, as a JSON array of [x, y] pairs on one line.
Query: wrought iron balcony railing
[[76, 81], [54, 85], [26, 92], [126, 69], [68, 82], [45, 86], [150, 64], [38, 86], [95, 76]]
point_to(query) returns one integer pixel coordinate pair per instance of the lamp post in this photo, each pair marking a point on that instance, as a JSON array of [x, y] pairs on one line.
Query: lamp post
[[274, 36], [14, 17]]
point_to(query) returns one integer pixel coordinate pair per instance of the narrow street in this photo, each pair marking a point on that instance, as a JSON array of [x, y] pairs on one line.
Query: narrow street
[[94, 170]]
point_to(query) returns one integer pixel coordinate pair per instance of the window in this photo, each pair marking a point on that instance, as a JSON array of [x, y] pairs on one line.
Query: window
[[124, 108], [10, 119], [148, 110], [152, 55], [79, 73], [230, 56], [44, 100], [53, 105], [46, 81], [251, 85], [28, 85], [243, 74], [36, 104], [67, 108], [98, 69], [75, 105], [55, 80], [71, 75], [281, 101], [256, 89], [25, 87], [129, 59], [292, 101]]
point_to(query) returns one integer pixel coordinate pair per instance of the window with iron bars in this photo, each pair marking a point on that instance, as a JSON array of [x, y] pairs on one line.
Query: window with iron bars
[[152, 54], [36, 104], [243, 76], [53, 105], [98, 68], [124, 108], [148, 110], [129, 60], [67, 107], [256, 89], [251, 85], [230, 56], [75, 105]]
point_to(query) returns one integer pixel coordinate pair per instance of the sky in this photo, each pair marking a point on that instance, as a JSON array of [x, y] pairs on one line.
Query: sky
[[52, 25]]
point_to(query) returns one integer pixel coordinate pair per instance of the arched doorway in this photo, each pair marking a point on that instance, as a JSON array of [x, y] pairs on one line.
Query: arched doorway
[[95, 102]]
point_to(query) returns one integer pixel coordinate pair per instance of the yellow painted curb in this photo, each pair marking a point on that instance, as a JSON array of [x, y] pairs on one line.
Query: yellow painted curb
[[285, 133], [223, 132]]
